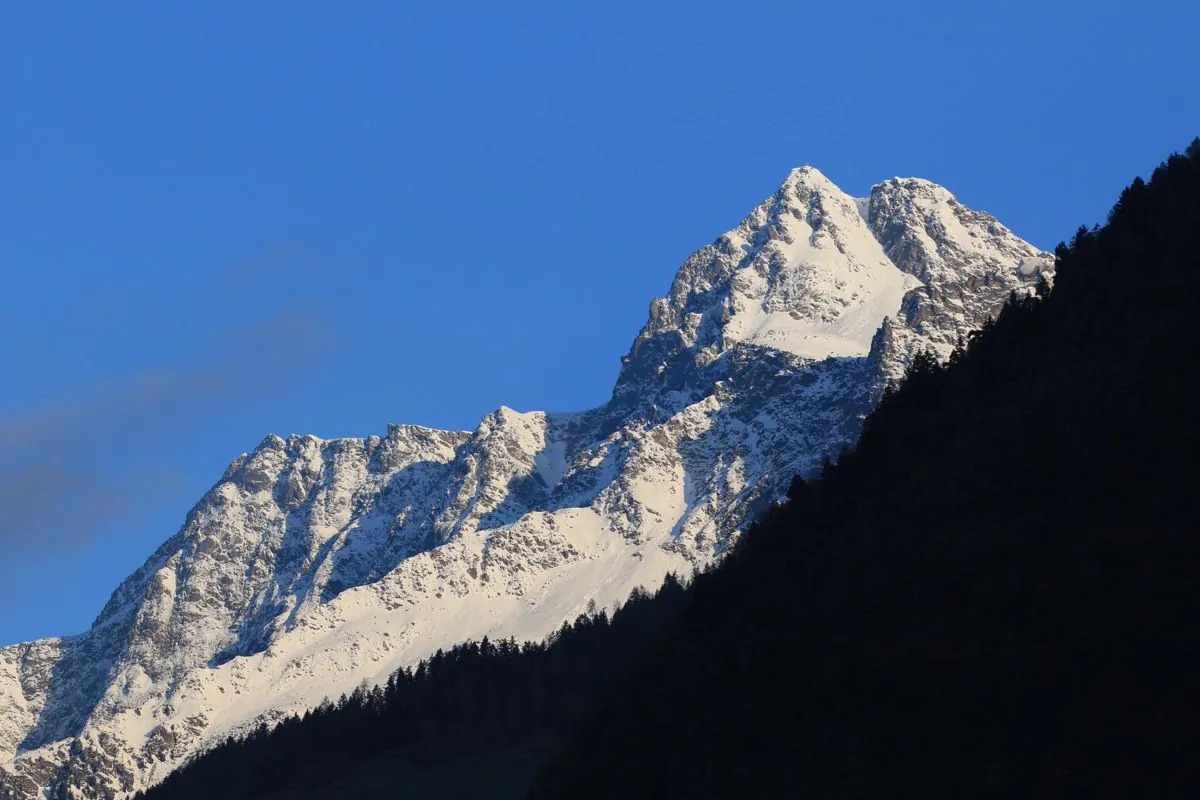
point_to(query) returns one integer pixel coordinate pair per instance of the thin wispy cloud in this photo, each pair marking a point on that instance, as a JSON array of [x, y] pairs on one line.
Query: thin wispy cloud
[[59, 483]]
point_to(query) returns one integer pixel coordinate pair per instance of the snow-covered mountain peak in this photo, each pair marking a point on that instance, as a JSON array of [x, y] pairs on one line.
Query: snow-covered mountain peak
[[966, 261], [802, 274], [314, 564], [917, 187], [807, 177], [930, 217]]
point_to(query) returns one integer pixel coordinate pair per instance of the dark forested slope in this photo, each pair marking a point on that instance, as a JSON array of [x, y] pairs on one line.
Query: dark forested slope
[[476, 721]]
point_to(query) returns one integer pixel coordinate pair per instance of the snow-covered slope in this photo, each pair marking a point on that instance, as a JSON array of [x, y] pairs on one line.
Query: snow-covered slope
[[313, 565]]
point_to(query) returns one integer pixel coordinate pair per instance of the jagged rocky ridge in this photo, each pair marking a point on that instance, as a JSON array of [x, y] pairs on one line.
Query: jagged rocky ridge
[[313, 564]]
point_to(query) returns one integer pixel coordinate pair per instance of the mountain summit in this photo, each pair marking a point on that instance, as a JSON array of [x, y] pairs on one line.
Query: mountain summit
[[313, 565]]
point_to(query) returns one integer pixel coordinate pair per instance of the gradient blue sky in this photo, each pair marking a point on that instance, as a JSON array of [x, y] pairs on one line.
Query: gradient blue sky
[[226, 219]]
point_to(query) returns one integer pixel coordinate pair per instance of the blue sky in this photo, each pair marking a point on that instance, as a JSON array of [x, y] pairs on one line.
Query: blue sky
[[224, 219]]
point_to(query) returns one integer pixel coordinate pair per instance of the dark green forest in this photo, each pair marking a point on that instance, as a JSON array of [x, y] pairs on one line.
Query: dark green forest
[[996, 593], [475, 721]]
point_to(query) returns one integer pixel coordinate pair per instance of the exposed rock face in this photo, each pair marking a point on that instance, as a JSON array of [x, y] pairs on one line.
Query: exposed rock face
[[963, 259], [313, 565]]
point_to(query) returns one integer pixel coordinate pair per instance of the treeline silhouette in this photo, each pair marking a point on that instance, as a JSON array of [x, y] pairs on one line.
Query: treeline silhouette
[[494, 706], [993, 595]]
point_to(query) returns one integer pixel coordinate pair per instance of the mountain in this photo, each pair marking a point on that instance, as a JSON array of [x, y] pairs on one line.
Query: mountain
[[993, 595], [314, 565]]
